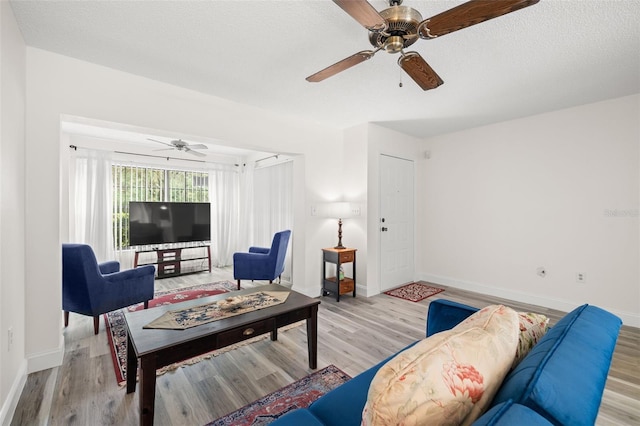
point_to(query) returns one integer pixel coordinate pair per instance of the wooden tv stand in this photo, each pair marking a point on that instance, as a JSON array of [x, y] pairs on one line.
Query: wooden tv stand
[[171, 262]]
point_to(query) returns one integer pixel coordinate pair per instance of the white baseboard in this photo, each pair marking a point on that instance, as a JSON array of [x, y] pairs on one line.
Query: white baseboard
[[628, 318], [10, 404], [307, 291], [364, 290], [45, 360]]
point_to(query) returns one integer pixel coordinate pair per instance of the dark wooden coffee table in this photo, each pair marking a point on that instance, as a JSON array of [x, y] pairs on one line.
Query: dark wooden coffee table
[[157, 348]]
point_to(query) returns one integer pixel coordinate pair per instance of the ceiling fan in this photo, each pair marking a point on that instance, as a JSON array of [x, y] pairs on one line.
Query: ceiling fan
[[181, 145], [398, 27]]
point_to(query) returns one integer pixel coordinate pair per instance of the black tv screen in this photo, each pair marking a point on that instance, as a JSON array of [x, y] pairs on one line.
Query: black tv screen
[[164, 223]]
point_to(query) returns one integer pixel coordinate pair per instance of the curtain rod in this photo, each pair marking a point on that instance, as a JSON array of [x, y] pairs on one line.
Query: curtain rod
[[266, 158], [75, 148]]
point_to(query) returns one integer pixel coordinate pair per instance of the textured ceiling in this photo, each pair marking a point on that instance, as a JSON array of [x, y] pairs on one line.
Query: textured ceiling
[[553, 55]]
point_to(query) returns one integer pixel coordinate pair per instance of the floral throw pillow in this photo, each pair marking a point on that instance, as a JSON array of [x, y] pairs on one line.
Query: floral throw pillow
[[449, 378], [532, 327]]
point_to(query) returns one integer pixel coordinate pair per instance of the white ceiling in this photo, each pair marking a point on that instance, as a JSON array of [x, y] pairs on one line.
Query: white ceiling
[[552, 55]]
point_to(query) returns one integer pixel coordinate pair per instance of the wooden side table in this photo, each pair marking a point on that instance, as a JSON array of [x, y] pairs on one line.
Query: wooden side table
[[335, 285]]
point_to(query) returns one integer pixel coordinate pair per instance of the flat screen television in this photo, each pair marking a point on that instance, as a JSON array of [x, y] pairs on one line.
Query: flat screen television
[[165, 223]]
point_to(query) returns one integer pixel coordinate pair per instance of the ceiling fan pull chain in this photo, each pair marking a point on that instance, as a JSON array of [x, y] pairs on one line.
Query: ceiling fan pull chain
[[402, 54]]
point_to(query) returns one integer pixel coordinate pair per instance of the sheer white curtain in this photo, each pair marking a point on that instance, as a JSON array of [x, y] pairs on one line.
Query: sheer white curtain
[[273, 206], [224, 195], [245, 236], [91, 202]]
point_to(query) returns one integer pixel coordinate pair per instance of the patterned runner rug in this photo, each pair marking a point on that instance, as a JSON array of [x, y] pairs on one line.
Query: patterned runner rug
[[299, 394], [414, 292], [181, 319], [117, 332]]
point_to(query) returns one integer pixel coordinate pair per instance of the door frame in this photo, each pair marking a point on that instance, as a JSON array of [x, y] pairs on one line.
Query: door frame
[[378, 222]]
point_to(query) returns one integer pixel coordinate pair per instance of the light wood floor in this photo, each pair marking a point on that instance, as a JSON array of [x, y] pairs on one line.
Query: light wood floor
[[353, 335]]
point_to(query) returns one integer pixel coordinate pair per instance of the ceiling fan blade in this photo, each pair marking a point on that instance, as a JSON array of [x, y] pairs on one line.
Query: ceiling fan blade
[[418, 69], [190, 151], [198, 146], [163, 143], [364, 13], [163, 149], [468, 14], [341, 66]]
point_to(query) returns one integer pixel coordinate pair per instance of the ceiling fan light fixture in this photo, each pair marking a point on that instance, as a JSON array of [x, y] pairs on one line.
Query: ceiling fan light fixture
[[393, 44]]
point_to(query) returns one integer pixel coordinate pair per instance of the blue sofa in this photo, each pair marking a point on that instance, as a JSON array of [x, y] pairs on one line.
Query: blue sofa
[[560, 381]]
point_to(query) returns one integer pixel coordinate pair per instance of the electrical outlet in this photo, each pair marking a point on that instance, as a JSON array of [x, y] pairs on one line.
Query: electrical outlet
[[355, 210], [9, 338], [581, 277]]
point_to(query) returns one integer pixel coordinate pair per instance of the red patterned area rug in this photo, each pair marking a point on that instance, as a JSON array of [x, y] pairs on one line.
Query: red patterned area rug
[[414, 292], [299, 394], [117, 331]]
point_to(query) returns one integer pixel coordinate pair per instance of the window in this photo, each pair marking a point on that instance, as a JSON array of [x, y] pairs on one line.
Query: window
[[131, 183], [187, 186]]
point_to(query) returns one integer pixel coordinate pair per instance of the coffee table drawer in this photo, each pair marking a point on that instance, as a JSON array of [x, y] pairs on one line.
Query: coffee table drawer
[[247, 332]]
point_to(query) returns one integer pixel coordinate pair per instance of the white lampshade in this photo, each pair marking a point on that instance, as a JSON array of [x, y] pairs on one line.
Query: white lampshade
[[338, 210]]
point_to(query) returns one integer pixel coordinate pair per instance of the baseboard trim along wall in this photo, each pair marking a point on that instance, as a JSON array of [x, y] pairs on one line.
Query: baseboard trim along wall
[[628, 318], [307, 291], [10, 404], [45, 360]]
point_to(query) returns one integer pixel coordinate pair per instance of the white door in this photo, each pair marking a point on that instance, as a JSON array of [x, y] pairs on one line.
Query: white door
[[396, 222]]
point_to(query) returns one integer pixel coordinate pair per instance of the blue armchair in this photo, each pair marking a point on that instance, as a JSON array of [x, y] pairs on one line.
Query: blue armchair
[[262, 263], [90, 288]]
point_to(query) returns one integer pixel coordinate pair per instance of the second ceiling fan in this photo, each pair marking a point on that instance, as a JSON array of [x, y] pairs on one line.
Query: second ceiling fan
[[180, 145], [398, 27]]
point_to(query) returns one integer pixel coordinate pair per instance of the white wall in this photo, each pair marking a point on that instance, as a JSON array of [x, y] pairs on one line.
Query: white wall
[[12, 225], [59, 85], [558, 190], [354, 189]]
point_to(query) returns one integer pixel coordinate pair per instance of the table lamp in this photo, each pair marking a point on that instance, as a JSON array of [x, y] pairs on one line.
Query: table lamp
[[339, 210]]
